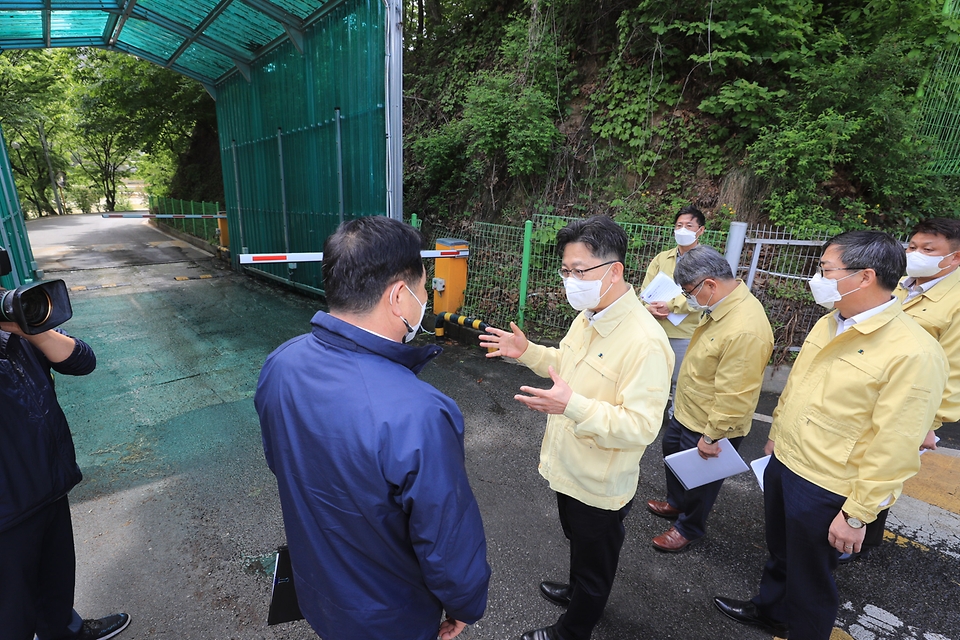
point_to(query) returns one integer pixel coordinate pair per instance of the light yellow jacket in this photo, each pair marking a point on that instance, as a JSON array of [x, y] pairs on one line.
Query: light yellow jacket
[[857, 406], [666, 262], [720, 378], [938, 312], [619, 369]]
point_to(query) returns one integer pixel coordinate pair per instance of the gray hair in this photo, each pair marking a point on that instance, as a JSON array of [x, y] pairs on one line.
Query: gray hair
[[699, 263]]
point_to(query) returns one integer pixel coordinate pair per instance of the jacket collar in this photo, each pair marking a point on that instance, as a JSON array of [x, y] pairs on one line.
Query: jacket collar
[[344, 335], [934, 293], [872, 323], [735, 297], [622, 308]]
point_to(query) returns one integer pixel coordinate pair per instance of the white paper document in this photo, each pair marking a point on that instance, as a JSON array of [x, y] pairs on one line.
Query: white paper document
[[693, 471], [936, 439], [759, 466], [661, 289], [676, 318]]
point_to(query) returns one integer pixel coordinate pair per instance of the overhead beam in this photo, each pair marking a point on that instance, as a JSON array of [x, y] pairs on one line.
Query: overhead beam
[[215, 45], [150, 57], [276, 13], [206, 22], [128, 9], [45, 18], [55, 43]]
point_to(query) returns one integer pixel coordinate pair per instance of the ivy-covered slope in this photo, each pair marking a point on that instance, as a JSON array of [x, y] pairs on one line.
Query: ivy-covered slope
[[791, 112]]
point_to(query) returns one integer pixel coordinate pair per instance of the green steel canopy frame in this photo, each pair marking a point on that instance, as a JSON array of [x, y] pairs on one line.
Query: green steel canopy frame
[[13, 234], [308, 101]]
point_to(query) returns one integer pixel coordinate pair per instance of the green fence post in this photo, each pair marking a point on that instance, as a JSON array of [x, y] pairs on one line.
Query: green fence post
[[524, 271], [414, 221], [193, 220]]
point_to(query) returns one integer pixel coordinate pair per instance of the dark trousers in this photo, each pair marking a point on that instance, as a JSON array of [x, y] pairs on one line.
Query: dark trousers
[[695, 503], [797, 586], [596, 536], [37, 573], [874, 535]]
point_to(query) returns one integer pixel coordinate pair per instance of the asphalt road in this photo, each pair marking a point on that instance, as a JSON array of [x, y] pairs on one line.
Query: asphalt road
[[177, 517]]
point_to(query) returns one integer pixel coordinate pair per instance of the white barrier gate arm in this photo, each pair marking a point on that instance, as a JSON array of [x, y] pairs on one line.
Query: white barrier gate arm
[[274, 258]]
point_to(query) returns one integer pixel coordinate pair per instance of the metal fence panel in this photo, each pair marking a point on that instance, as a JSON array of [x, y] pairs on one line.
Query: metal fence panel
[[303, 139]]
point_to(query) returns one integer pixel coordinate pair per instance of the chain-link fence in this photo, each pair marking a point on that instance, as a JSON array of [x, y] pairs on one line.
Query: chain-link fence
[[496, 273], [773, 264]]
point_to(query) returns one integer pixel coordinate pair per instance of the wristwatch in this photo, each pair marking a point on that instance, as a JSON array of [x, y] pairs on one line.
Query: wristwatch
[[707, 439], [855, 523]]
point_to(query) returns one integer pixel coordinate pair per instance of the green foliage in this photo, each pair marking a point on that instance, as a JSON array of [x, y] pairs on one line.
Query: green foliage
[[501, 128], [31, 102], [508, 123], [842, 153]]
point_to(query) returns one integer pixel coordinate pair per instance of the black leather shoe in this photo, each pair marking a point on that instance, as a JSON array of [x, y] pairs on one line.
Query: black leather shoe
[[547, 633], [745, 612], [556, 593]]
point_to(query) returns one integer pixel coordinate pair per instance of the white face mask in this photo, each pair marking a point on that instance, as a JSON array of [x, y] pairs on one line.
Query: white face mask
[[585, 294], [921, 265], [413, 330], [825, 291], [684, 237], [696, 306]]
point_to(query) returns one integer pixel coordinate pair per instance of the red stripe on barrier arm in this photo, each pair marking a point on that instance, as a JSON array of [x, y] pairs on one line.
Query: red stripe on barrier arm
[[268, 258]]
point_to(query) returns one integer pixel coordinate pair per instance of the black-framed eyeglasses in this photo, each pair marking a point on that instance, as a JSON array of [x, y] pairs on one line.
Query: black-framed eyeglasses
[[578, 273], [690, 295], [822, 271]]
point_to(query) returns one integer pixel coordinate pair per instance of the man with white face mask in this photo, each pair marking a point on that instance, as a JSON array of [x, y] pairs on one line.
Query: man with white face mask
[[688, 227], [931, 295], [845, 436], [718, 389], [384, 533], [611, 379]]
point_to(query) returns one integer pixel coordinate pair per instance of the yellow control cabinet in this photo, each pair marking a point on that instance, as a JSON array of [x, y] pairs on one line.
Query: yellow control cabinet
[[450, 277]]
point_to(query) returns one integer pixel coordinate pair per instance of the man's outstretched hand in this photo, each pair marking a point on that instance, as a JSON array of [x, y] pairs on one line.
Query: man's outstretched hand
[[510, 344]]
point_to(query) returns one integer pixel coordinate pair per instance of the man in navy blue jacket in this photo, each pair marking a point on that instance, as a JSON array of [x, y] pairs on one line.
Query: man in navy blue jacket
[[38, 467], [384, 532]]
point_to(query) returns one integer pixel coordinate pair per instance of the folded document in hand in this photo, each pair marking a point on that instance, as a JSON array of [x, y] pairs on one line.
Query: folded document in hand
[[693, 471]]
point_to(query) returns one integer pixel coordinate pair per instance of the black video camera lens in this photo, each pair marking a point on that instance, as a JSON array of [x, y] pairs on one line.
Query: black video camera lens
[[37, 307]]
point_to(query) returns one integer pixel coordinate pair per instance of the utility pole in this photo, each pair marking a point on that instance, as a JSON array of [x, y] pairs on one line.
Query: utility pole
[[53, 182]]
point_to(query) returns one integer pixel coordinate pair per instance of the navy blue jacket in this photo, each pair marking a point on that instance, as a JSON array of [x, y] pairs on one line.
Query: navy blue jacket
[[38, 463], [383, 529]]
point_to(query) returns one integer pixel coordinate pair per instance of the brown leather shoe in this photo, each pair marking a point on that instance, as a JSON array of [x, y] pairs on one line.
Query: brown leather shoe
[[671, 541], [663, 509]]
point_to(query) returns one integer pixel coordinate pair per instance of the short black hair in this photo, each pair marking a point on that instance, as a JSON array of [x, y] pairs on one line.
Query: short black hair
[[605, 238], [946, 227], [363, 256], [872, 250], [691, 210]]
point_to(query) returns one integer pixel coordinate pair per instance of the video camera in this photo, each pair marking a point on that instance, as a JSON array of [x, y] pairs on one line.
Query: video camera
[[35, 307]]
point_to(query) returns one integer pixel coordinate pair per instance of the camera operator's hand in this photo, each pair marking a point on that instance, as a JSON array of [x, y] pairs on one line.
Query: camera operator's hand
[[56, 346]]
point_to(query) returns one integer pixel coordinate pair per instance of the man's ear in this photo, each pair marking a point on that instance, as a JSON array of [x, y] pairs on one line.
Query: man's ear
[[391, 297], [868, 278], [616, 271]]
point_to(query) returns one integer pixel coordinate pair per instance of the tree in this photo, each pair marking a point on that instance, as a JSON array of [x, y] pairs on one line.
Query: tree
[[127, 106], [31, 102]]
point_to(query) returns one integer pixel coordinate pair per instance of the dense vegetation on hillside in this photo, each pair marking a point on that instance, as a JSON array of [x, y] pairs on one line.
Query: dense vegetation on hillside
[[789, 111]]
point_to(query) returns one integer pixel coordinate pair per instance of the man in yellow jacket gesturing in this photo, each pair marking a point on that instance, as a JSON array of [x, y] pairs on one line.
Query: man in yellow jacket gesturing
[[611, 379], [846, 433]]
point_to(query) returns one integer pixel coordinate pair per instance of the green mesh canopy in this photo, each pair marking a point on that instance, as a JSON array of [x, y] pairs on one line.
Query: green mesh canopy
[[202, 39]]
